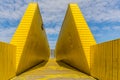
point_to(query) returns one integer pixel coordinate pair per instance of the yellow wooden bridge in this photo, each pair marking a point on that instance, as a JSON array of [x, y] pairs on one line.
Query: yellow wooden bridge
[[77, 55]]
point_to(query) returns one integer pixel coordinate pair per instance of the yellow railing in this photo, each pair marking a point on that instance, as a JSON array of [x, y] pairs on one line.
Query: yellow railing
[[105, 60], [7, 61]]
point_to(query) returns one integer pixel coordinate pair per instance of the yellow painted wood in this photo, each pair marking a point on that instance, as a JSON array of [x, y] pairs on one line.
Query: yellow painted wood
[[7, 61], [105, 60], [102, 60], [118, 59], [115, 60], [53, 71], [75, 39], [93, 64], [30, 39], [97, 63], [103, 64], [109, 65]]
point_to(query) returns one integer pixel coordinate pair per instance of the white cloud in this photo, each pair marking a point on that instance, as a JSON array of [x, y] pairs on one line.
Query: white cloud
[[94, 28], [106, 28], [52, 44], [53, 11], [6, 34], [101, 10], [11, 9], [107, 33], [53, 30], [116, 28]]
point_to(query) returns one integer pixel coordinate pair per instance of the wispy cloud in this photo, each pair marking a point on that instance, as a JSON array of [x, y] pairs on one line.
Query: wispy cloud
[[6, 34], [101, 10], [106, 33], [53, 12], [12, 9], [53, 30], [52, 44]]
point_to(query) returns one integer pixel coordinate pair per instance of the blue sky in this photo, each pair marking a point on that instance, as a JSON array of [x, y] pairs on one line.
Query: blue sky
[[102, 16]]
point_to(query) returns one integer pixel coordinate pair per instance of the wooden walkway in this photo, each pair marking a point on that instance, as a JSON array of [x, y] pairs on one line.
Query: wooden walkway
[[53, 71]]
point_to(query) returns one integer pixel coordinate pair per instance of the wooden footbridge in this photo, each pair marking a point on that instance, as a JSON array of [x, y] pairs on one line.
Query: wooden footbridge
[[77, 55]]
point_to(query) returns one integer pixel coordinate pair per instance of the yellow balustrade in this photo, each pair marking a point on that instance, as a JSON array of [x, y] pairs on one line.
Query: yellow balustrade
[[7, 61], [105, 60]]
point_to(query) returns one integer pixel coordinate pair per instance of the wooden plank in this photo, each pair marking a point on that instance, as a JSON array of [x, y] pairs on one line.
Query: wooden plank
[[92, 60], [96, 62], [102, 62], [108, 51], [115, 60], [119, 59], [7, 61]]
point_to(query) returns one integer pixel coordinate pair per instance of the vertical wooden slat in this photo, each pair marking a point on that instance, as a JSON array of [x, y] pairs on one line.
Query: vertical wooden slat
[[107, 64], [115, 60], [118, 59], [108, 55], [7, 61]]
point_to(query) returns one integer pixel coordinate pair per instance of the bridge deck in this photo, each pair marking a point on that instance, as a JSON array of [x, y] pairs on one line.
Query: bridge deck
[[53, 71]]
